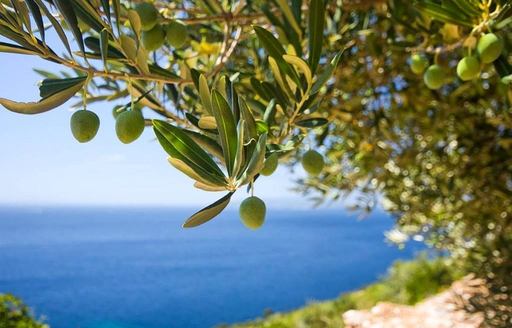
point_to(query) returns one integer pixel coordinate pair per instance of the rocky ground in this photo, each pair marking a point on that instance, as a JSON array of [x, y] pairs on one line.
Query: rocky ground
[[440, 311]]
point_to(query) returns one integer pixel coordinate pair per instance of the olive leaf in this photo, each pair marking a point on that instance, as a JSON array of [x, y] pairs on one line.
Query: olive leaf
[[258, 88], [38, 18], [444, 14], [279, 77], [326, 74], [239, 157], [87, 13], [55, 93], [66, 9], [221, 87], [288, 14], [116, 4], [193, 173], [204, 94], [250, 123], [312, 122], [270, 112], [502, 67], [301, 65], [297, 9], [255, 163], [316, 32], [142, 60], [22, 13], [157, 70], [94, 44], [106, 9], [275, 50], [104, 47], [470, 8], [129, 47], [226, 127], [275, 93], [208, 213], [192, 170], [207, 122], [208, 144], [135, 22], [15, 49], [284, 28], [58, 28], [50, 87], [208, 187], [185, 149]]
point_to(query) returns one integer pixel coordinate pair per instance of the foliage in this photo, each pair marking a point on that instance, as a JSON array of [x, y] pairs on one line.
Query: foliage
[[257, 78], [440, 159], [15, 314], [405, 283]]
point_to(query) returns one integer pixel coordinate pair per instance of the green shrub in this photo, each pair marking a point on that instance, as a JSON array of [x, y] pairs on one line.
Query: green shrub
[[15, 314], [407, 282]]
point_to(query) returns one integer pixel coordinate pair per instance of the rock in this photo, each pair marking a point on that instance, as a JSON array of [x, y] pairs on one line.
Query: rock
[[440, 311]]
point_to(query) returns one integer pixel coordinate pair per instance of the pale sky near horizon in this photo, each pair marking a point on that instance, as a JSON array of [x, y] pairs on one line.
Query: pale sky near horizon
[[42, 164]]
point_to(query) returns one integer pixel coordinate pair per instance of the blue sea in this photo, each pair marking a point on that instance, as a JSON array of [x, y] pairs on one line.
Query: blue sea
[[137, 268]]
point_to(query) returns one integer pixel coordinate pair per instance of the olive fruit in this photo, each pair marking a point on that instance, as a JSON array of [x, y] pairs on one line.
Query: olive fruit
[[154, 38], [468, 68], [148, 15], [252, 212], [84, 125], [313, 162], [418, 63], [176, 33], [270, 165], [489, 48], [434, 77], [129, 126]]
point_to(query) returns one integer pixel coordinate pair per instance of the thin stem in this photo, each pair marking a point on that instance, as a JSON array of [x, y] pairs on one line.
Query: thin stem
[[115, 75], [131, 94], [84, 96]]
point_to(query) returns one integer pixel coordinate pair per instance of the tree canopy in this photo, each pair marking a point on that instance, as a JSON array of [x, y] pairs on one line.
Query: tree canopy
[[408, 103]]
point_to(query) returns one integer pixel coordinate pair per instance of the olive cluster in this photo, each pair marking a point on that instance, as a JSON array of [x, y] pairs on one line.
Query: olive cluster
[[488, 49], [129, 125], [154, 34]]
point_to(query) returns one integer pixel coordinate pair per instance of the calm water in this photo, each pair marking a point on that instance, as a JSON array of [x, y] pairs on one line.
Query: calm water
[[134, 268]]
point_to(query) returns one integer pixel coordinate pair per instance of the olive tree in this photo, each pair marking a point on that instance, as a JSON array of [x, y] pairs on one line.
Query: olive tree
[[405, 102]]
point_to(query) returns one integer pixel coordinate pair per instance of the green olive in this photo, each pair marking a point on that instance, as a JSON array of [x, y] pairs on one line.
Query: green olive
[[252, 212], [270, 165], [148, 15], [129, 126], [84, 125], [418, 63], [313, 162], [468, 68], [434, 77], [154, 38], [489, 48], [176, 33]]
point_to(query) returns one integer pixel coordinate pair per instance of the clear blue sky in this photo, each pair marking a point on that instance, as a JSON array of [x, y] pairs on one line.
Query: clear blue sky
[[41, 163]]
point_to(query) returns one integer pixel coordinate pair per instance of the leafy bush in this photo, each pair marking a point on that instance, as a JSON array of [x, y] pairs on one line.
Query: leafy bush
[[15, 314], [405, 283]]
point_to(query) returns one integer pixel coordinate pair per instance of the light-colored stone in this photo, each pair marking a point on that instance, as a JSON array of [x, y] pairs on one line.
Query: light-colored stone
[[439, 311]]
